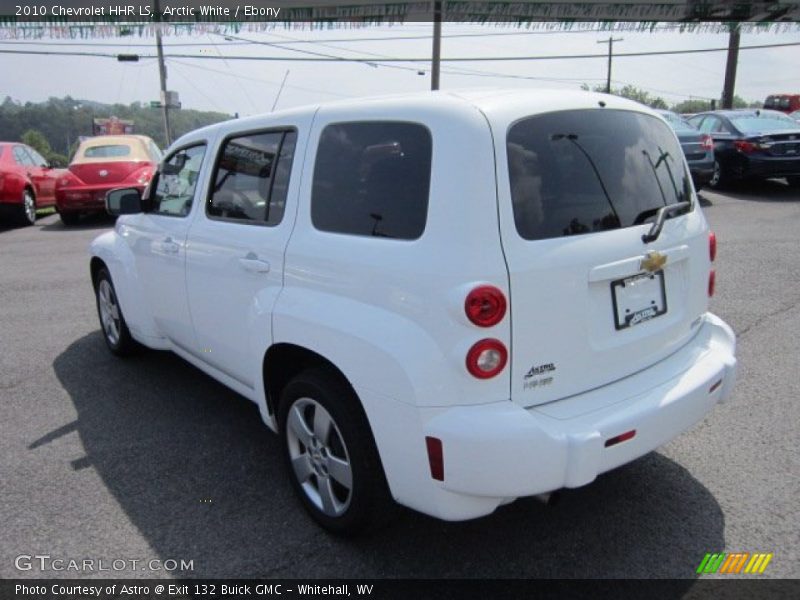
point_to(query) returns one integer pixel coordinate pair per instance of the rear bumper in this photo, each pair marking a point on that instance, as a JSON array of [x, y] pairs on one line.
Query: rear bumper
[[87, 197], [497, 452], [769, 167]]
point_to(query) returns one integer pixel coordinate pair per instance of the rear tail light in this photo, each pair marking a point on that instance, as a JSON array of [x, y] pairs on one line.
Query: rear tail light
[[712, 282], [486, 358], [435, 457], [141, 176], [68, 179], [712, 246], [744, 146], [708, 142], [485, 306]]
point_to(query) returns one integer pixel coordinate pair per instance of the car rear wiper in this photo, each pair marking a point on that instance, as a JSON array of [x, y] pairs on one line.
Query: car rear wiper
[[572, 137], [661, 215]]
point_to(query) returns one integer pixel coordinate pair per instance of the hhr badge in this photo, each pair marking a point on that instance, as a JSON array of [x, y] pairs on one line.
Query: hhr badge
[[653, 261]]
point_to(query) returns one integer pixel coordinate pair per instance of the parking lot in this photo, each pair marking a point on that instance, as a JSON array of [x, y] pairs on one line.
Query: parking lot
[[148, 458]]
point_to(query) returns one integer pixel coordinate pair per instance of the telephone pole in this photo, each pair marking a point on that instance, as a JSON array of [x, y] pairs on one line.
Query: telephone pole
[[162, 71], [437, 44], [730, 68], [610, 41]]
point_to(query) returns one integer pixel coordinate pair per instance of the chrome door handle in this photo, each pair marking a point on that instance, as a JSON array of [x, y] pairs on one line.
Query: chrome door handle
[[254, 265], [169, 246]]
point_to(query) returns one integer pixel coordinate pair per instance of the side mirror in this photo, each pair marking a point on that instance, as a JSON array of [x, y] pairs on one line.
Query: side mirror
[[125, 201]]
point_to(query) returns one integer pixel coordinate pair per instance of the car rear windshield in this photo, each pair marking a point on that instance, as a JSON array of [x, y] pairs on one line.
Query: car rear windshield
[[583, 171], [678, 123], [113, 151], [753, 124]]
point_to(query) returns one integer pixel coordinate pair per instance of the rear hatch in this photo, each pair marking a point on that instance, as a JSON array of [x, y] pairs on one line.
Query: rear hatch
[[591, 302], [767, 133], [111, 161], [101, 173]]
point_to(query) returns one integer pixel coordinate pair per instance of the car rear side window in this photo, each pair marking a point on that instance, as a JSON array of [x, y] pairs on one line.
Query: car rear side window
[[582, 171], [372, 179], [22, 157], [252, 178], [112, 151]]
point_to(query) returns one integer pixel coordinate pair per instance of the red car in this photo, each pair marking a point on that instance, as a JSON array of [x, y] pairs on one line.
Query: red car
[[26, 182], [101, 164]]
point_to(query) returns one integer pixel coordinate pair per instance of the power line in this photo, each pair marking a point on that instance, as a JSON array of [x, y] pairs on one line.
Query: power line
[[331, 58], [297, 41], [267, 81]]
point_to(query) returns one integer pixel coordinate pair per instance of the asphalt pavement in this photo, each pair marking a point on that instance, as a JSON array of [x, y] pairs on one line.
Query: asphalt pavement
[[149, 459]]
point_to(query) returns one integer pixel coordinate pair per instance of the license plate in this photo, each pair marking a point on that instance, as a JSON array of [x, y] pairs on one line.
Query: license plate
[[638, 299]]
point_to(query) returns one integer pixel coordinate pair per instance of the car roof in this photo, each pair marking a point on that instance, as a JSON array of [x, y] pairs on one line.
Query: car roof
[[495, 103], [137, 143]]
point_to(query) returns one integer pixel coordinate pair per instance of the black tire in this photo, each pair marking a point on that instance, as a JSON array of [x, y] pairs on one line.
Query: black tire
[[310, 450], [26, 212], [721, 177], [112, 322], [69, 218]]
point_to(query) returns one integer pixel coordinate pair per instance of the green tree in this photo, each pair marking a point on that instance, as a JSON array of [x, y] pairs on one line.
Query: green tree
[[36, 140], [62, 121], [693, 105]]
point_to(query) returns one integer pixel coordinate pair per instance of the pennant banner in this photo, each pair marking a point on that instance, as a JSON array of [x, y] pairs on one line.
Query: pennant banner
[[99, 18]]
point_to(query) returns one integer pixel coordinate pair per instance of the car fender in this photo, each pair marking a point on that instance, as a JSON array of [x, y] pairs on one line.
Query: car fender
[[375, 348], [377, 351], [118, 258]]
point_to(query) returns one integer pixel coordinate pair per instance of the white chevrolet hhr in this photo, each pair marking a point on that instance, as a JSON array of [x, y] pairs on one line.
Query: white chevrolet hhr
[[448, 299]]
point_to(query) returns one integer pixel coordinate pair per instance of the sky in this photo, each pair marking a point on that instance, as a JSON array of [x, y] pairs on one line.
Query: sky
[[252, 87]]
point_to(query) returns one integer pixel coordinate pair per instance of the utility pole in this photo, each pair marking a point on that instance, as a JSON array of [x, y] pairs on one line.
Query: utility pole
[[610, 41], [437, 44], [730, 68], [162, 71]]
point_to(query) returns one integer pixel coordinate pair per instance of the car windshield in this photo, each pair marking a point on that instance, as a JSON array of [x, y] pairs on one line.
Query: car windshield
[[754, 124], [112, 151], [581, 171]]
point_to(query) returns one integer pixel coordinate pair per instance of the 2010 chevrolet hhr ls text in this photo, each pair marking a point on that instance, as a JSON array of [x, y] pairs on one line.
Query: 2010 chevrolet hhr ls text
[[448, 299]]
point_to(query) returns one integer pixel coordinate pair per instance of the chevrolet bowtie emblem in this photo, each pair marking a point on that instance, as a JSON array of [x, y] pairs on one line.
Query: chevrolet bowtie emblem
[[653, 261]]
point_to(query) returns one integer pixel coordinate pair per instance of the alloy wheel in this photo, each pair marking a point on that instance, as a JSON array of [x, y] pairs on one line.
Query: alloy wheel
[[319, 457], [29, 207], [109, 311]]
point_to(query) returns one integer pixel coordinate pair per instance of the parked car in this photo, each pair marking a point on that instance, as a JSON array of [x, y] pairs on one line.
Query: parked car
[[101, 164], [27, 183], [756, 144], [697, 147], [783, 102], [451, 300]]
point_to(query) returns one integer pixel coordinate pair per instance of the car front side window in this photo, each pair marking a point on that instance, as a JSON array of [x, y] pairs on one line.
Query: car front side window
[[176, 182]]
